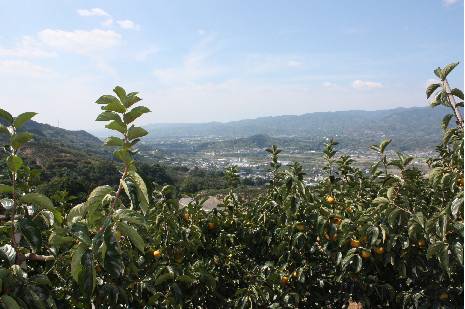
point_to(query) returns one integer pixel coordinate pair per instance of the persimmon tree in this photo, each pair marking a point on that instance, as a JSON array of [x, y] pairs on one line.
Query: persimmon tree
[[391, 236]]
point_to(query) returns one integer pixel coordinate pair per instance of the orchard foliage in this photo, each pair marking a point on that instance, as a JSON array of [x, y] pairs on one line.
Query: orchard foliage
[[391, 236]]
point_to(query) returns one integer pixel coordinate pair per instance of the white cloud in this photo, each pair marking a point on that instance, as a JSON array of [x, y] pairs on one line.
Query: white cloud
[[80, 41], [194, 66], [22, 68], [92, 12], [362, 84], [128, 24], [201, 32], [27, 47], [107, 22], [449, 2]]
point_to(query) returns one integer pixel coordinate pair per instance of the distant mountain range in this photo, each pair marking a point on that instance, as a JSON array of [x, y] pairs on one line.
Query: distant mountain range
[[410, 128], [398, 120]]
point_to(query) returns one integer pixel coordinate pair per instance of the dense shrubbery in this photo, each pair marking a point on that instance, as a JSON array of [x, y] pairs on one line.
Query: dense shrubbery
[[392, 237]]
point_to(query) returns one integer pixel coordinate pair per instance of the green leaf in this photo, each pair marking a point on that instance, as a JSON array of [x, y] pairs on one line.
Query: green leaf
[[113, 261], [458, 250], [115, 106], [107, 99], [113, 141], [81, 232], [76, 266], [39, 200], [438, 73], [457, 92], [431, 89], [19, 139], [117, 126], [123, 155], [9, 302], [6, 116], [21, 119], [30, 232], [87, 276], [121, 93], [132, 99], [358, 263], [107, 116], [130, 216], [380, 201], [142, 194], [6, 189], [14, 163], [133, 235], [79, 211], [135, 113], [136, 132], [447, 69]]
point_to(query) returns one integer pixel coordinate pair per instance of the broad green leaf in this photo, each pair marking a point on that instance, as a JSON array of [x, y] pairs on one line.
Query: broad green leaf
[[6, 116], [136, 132], [117, 126], [121, 93], [133, 235], [358, 263], [87, 276], [113, 261], [97, 195], [168, 276], [384, 144], [39, 200], [431, 89], [14, 163], [130, 216], [77, 212], [381, 201], [9, 302], [123, 155], [107, 116], [76, 266], [58, 239], [31, 233], [21, 119], [113, 141], [142, 194], [458, 250], [114, 106], [457, 92], [447, 69], [81, 231], [135, 113], [107, 99], [132, 99]]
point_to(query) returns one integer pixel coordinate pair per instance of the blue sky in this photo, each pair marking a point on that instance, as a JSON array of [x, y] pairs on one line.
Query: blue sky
[[197, 61]]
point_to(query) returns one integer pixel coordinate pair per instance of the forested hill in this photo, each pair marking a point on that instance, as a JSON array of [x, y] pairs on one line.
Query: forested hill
[[416, 122]]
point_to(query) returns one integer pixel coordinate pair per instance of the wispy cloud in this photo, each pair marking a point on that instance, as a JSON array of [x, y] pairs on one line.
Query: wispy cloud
[[22, 68], [145, 53], [80, 41], [449, 2], [363, 84], [128, 24], [26, 47], [194, 65], [92, 12]]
